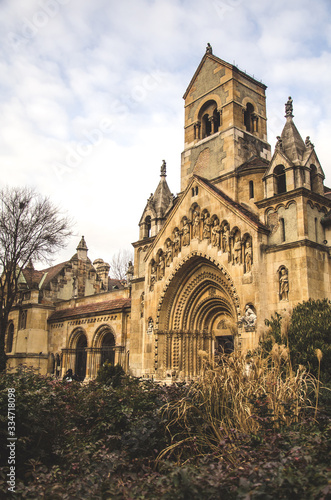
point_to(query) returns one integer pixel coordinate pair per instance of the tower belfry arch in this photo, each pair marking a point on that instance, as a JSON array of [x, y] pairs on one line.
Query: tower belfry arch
[[198, 308]]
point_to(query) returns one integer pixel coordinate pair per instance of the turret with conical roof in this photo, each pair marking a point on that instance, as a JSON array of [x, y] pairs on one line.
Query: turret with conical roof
[[157, 208], [294, 163], [82, 249]]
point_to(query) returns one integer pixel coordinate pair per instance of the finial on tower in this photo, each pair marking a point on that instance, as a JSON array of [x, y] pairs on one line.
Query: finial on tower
[[289, 108], [209, 49], [164, 169]]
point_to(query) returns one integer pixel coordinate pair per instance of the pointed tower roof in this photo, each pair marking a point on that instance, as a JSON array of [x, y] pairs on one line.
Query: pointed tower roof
[[82, 244], [162, 199], [292, 143]]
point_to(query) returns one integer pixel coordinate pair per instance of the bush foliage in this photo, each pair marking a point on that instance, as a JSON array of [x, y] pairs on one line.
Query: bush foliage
[[140, 440], [304, 332]]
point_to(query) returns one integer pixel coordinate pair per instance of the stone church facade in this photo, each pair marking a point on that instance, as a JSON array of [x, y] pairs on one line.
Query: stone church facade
[[248, 234]]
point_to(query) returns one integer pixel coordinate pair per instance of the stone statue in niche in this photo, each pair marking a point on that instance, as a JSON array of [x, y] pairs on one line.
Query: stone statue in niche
[[215, 234], [283, 284], [142, 304], [196, 225], [249, 318], [168, 253], [248, 256], [206, 226], [237, 250], [161, 266], [226, 238], [176, 243], [186, 233], [150, 327], [153, 275]]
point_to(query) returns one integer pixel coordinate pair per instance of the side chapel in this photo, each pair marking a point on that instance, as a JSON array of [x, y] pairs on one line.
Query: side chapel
[[248, 234]]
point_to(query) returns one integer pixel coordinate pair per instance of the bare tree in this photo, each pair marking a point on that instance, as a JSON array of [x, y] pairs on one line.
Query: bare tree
[[119, 264], [31, 228]]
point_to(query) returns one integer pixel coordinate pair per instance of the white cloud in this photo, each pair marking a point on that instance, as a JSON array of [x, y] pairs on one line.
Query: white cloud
[[68, 65]]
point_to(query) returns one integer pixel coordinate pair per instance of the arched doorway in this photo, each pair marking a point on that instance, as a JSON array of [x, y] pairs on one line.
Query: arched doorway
[[81, 356], [198, 314], [107, 348]]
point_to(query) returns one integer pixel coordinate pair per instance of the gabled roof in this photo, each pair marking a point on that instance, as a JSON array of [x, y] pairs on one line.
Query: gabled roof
[[237, 206], [209, 55], [240, 210], [52, 272], [92, 308]]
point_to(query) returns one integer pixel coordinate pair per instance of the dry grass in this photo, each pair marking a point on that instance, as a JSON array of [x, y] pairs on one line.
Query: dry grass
[[240, 393]]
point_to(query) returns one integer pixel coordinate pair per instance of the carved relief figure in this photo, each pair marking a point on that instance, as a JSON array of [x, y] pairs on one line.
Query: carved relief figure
[[161, 266], [186, 233], [249, 319], [248, 256], [237, 250], [206, 226], [196, 225], [142, 304], [215, 234], [176, 243], [283, 284], [150, 327], [168, 253], [226, 238], [153, 275]]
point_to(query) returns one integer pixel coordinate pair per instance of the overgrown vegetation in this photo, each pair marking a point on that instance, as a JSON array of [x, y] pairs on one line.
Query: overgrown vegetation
[[244, 431], [252, 427]]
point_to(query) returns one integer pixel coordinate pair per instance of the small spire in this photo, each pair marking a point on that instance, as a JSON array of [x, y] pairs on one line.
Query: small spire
[[289, 108], [209, 49], [82, 244], [163, 169]]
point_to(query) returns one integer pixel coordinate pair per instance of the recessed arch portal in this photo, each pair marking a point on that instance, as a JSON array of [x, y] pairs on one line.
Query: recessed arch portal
[[77, 353], [199, 296], [104, 344]]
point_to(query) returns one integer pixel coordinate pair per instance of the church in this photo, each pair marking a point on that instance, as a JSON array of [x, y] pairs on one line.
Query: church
[[248, 235]]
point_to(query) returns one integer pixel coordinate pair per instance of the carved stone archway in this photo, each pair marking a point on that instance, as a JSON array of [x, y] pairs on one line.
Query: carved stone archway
[[198, 298]]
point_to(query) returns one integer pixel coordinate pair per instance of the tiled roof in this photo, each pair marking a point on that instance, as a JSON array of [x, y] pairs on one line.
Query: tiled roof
[[32, 277], [92, 308], [51, 272]]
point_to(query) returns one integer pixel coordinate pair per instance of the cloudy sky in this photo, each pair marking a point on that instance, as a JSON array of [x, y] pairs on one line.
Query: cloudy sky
[[91, 94]]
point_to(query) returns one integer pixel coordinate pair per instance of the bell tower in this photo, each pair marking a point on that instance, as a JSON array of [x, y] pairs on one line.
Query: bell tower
[[225, 120]]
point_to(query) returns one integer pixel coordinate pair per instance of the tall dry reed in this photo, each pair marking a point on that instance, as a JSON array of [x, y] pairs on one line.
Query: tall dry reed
[[239, 394]]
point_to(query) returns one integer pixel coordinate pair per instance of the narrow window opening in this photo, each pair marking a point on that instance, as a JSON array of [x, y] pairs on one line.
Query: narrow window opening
[[206, 126], [313, 179], [280, 176], [251, 189], [216, 120], [148, 226], [316, 230], [282, 230], [248, 117]]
